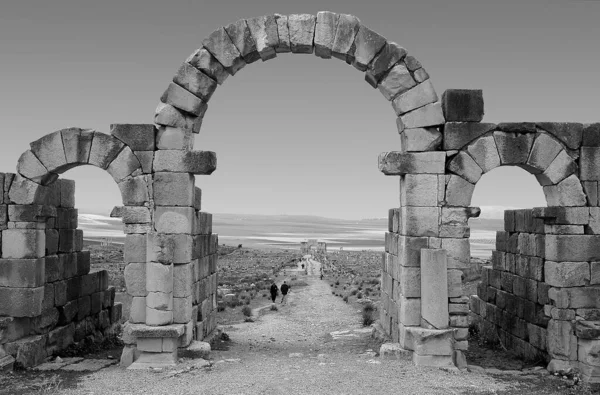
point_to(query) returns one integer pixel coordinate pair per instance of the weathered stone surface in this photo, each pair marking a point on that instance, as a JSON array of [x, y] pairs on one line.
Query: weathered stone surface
[[416, 97], [428, 115], [283, 32], [419, 190], [410, 311], [196, 162], [156, 317], [561, 167], [138, 137], [368, 44], [459, 191], [21, 302], [420, 139], [135, 248], [23, 243], [397, 81], [396, 163], [568, 192], [195, 81], [174, 219], [173, 189], [50, 152], [205, 62], [136, 215], [577, 248], [30, 167], [591, 135], [160, 301], [30, 351], [170, 248], [167, 115], [159, 278], [421, 75], [561, 340], [135, 190], [169, 138], [590, 163], [484, 152], [576, 297], [343, 43], [459, 134], [434, 289], [220, 46], [77, 144], [184, 100], [463, 105], [182, 310], [241, 36], [325, 33], [265, 32], [146, 158], [458, 253], [123, 165], [513, 148], [22, 273], [104, 150], [302, 32], [544, 151], [167, 331], [464, 165], [569, 133], [389, 56], [563, 215], [420, 221], [517, 127], [25, 191], [567, 274]]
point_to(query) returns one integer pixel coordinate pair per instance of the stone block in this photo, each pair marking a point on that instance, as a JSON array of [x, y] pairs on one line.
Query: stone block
[[178, 161], [182, 310], [466, 167], [265, 33], [301, 28], [564, 229], [183, 280], [485, 153], [591, 135], [77, 144], [25, 191], [343, 44], [396, 163], [409, 281], [567, 274], [53, 270], [49, 150], [205, 62], [29, 166], [67, 193], [543, 153], [184, 100], [104, 150], [167, 115], [220, 46], [23, 243], [325, 33], [367, 44], [459, 191], [22, 273], [410, 311], [459, 134], [590, 169], [458, 252], [433, 360], [563, 215], [561, 167], [160, 301], [29, 351], [70, 240], [283, 32], [135, 278], [173, 189], [420, 139], [241, 37], [159, 278], [135, 190], [388, 57], [397, 81], [419, 190], [513, 148], [591, 192], [136, 215], [568, 192], [428, 115], [135, 248], [137, 312], [170, 138], [21, 302], [434, 289], [562, 342], [124, 165], [138, 137], [420, 221], [416, 97], [575, 298], [158, 317], [463, 105], [150, 344], [569, 133], [174, 219]]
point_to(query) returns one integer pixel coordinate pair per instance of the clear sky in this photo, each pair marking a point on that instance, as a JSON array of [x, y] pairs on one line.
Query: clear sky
[[297, 134]]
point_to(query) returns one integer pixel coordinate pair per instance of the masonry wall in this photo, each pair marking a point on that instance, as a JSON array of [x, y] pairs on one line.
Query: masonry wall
[[49, 297]]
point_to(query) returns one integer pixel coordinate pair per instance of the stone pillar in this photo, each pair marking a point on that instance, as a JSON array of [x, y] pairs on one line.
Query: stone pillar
[[434, 289]]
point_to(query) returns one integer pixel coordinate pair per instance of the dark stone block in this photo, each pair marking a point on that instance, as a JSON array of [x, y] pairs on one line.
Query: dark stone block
[[463, 105], [459, 134], [591, 135], [570, 133], [517, 127]]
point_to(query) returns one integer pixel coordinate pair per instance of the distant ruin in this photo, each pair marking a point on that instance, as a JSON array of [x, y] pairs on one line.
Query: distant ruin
[[540, 296]]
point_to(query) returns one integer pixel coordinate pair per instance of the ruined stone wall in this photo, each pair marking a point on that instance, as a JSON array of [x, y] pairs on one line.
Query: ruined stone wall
[[49, 298]]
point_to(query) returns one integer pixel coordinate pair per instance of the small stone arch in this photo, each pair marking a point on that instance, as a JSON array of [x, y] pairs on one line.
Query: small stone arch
[[527, 145]]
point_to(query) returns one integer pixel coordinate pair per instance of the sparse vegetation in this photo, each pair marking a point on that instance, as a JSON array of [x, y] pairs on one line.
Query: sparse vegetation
[[247, 311], [368, 314]]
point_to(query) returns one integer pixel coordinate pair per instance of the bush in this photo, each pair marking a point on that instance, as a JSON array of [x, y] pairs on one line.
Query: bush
[[368, 314], [247, 301], [274, 307], [247, 311], [333, 292], [346, 298], [264, 295], [221, 307], [337, 282], [359, 295], [354, 291]]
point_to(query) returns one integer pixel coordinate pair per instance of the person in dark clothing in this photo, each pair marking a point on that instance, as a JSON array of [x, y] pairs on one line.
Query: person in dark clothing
[[274, 290], [284, 290]]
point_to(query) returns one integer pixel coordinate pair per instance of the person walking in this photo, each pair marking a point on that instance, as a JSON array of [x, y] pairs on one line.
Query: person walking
[[274, 290], [284, 290]]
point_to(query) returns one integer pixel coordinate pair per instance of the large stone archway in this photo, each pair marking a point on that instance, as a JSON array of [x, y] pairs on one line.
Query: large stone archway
[[171, 251]]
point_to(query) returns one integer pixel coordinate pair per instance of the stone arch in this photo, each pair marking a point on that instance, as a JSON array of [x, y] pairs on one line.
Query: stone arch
[[399, 77], [544, 155]]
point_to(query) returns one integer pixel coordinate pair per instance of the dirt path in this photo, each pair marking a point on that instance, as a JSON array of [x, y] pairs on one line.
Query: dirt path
[[313, 345]]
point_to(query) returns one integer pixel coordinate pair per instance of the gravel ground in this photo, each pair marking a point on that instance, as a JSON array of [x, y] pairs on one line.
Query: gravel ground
[[292, 351]]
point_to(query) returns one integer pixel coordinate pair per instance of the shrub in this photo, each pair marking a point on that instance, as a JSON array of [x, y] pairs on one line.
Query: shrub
[[368, 314], [247, 301], [354, 291], [346, 298], [337, 282], [264, 295], [274, 307], [333, 292], [359, 295], [221, 307], [247, 311]]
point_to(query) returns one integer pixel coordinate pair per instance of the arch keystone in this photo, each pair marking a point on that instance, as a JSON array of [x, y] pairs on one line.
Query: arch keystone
[[513, 148], [77, 143], [302, 32]]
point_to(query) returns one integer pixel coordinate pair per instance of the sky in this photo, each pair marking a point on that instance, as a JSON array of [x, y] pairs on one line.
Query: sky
[[297, 134]]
